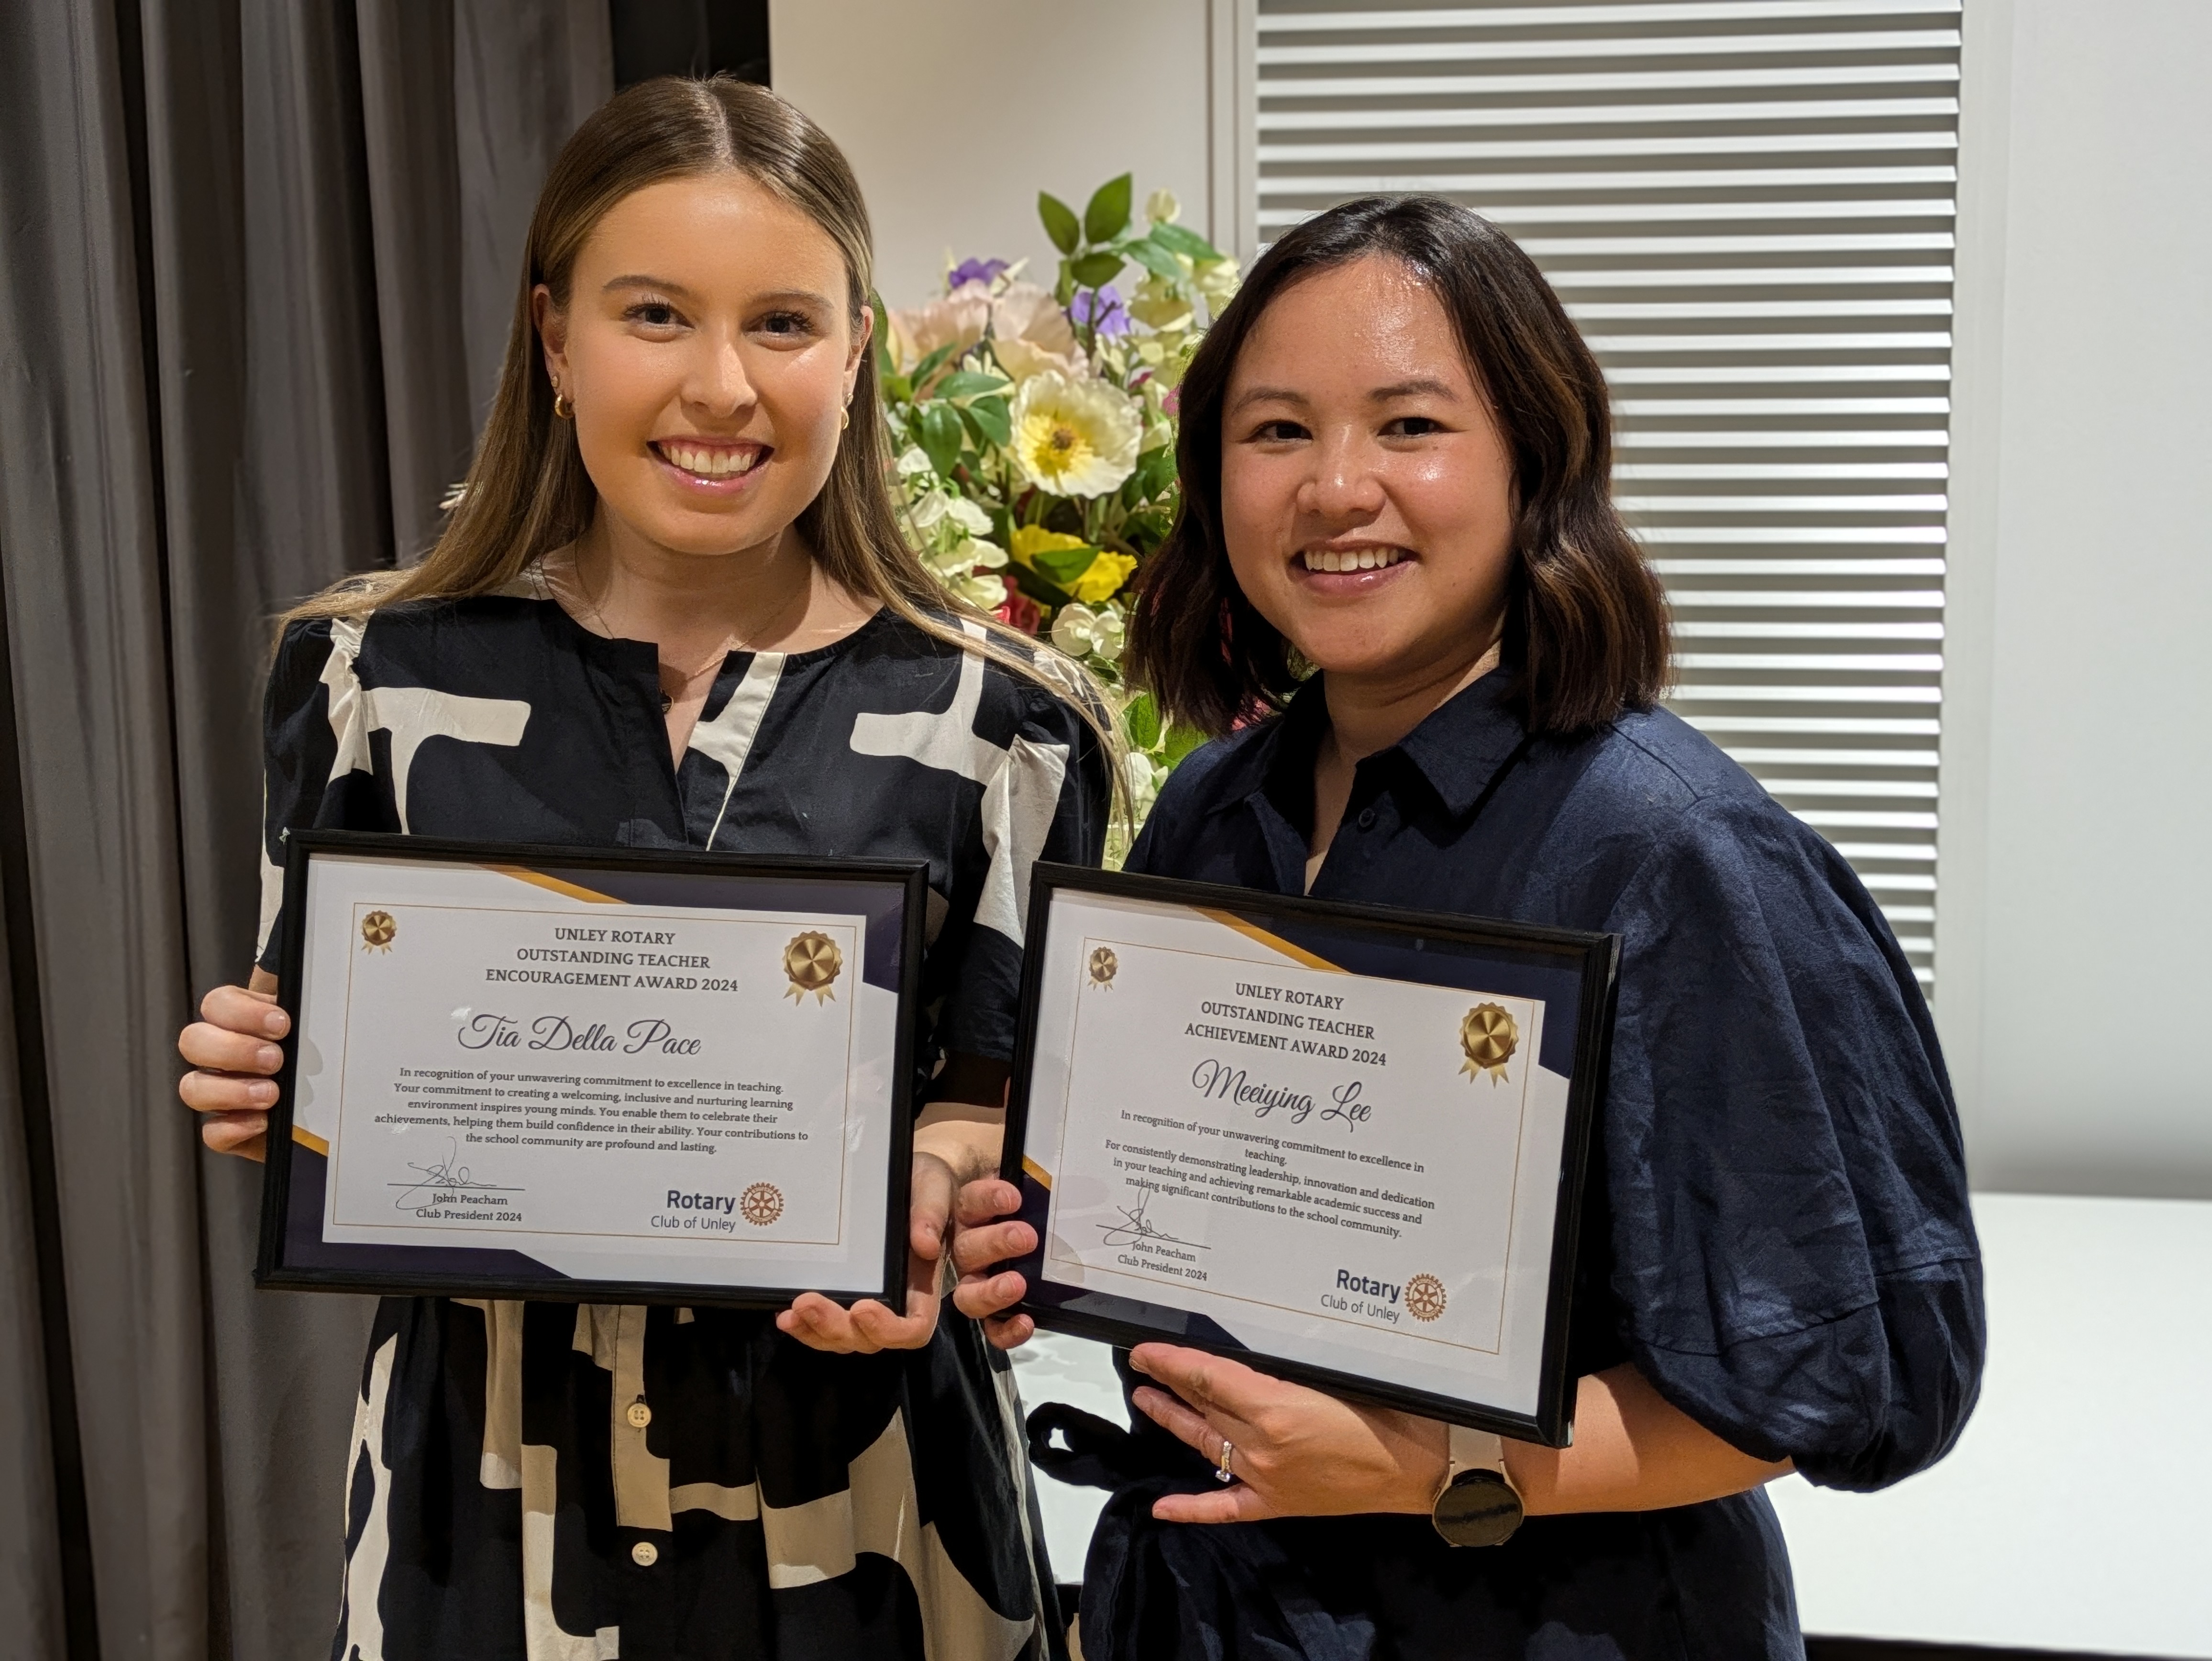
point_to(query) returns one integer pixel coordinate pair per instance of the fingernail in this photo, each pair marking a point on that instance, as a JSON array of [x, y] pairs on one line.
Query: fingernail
[[262, 1093], [269, 1056], [274, 1023]]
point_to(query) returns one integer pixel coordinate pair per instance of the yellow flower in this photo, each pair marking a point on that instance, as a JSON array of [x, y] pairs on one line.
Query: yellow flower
[[1030, 540], [1103, 577], [1074, 438]]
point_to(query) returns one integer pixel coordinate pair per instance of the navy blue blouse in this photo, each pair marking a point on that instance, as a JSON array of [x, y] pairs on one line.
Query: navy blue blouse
[[1778, 1233]]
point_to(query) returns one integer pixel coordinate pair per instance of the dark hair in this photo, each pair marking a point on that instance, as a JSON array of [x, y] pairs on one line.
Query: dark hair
[[1585, 634]]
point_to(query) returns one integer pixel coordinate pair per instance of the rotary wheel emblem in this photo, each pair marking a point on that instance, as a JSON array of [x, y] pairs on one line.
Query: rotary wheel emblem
[[1425, 1297], [1489, 1038], [812, 961], [377, 931], [1104, 965], [761, 1204]]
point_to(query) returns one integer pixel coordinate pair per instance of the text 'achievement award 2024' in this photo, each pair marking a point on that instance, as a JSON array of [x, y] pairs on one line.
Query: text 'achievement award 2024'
[[1343, 1143], [614, 1076]]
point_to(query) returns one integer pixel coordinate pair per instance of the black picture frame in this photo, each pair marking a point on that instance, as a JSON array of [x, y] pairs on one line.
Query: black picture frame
[[1594, 958], [286, 1261]]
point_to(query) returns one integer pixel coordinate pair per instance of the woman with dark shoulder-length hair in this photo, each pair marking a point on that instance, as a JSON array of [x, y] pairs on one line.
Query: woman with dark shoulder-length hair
[[674, 608], [1399, 587]]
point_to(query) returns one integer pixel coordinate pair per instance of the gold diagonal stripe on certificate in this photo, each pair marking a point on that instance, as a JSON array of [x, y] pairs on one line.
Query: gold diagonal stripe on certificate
[[309, 1140], [539, 879], [1032, 1168], [1273, 942]]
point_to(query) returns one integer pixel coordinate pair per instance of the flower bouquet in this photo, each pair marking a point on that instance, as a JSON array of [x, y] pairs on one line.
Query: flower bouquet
[[1035, 430]]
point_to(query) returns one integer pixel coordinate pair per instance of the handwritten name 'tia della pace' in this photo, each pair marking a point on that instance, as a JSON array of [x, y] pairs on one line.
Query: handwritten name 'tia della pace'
[[491, 1032]]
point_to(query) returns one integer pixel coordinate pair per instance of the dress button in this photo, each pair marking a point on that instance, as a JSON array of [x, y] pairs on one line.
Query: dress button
[[1366, 819], [645, 1553], [639, 1415]]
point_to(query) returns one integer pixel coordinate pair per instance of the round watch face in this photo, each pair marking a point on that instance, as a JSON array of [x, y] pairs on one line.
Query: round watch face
[[1478, 1509]]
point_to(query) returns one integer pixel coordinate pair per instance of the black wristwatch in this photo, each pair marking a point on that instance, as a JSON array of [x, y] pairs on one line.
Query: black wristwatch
[[1478, 1504]]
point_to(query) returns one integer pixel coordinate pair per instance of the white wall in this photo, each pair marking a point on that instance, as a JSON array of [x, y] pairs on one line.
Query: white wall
[[2070, 1517], [957, 112], [2073, 984]]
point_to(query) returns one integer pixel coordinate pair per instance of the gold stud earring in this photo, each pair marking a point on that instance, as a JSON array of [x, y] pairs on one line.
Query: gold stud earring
[[561, 408]]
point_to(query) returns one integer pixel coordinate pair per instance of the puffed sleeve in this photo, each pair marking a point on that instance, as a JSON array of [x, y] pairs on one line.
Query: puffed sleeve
[[1047, 799], [1793, 1248], [299, 749]]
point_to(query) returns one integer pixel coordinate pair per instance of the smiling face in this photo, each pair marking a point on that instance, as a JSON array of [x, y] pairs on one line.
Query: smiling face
[[1366, 495], [708, 354]]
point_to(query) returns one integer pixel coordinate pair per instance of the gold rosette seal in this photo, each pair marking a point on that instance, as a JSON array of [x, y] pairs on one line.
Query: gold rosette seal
[[812, 961], [1489, 1038], [378, 930], [1104, 966]]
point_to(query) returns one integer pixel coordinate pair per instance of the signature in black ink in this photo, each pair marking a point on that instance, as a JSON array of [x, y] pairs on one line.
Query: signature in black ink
[[1135, 1226], [444, 1174]]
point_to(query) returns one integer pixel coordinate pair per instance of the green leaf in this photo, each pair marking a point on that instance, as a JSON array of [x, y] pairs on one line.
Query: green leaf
[[992, 415], [930, 365], [1152, 257], [1064, 565], [1096, 270], [886, 365], [967, 383], [1064, 290], [898, 389], [1044, 592], [1181, 741], [1177, 240], [1142, 721], [1059, 222], [1156, 470], [1108, 214], [941, 436], [1146, 530]]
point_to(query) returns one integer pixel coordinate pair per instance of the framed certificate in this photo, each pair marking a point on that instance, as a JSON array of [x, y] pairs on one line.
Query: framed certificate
[[1342, 1143], [610, 1076]]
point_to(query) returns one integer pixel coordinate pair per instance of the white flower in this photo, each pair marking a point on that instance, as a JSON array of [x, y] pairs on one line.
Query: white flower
[[1080, 632], [1217, 280], [1162, 208], [1029, 334], [1144, 778], [1074, 438], [958, 320], [940, 507], [913, 460], [966, 568]]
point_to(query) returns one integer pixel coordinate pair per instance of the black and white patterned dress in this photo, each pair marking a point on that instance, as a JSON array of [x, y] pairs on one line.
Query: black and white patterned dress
[[780, 1502]]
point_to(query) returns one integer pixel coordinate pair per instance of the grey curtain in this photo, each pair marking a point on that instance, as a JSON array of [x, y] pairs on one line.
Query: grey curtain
[[257, 258]]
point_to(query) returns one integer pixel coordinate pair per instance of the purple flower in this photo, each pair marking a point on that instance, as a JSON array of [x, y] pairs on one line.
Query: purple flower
[[974, 271], [1101, 310]]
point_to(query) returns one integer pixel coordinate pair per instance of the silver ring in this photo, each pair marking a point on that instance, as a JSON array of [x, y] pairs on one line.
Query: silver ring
[[1221, 1471]]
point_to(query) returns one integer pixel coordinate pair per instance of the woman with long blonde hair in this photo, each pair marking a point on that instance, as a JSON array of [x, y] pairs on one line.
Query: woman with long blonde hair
[[673, 608]]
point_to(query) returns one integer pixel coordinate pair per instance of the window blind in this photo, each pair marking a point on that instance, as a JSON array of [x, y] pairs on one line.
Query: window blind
[[1747, 206]]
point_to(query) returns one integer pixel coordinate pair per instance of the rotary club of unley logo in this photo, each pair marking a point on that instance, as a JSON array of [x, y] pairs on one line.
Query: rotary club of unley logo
[[761, 1204], [1425, 1297], [377, 931], [812, 961], [1104, 964], [1489, 1038]]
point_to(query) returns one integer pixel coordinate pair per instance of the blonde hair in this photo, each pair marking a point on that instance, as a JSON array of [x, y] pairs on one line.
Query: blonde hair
[[527, 493]]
